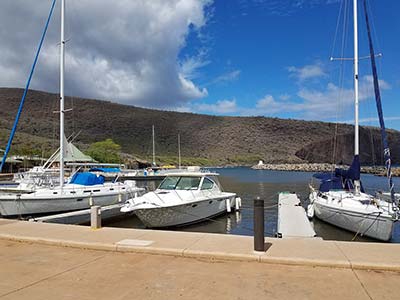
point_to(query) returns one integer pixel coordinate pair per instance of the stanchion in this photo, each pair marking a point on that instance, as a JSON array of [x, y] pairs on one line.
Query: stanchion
[[259, 243], [95, 217]]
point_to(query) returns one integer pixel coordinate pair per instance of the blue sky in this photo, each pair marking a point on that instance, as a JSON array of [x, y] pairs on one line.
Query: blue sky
[[271, 58], [223, 57]]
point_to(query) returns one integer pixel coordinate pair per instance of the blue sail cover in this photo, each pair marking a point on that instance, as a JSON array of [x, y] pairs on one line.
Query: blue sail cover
[[386, 150], [87, 178], [341, 179], [353, 173]]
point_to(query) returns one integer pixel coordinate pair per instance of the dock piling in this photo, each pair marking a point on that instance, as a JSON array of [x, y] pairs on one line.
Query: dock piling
[[95, 217], [259, 242]]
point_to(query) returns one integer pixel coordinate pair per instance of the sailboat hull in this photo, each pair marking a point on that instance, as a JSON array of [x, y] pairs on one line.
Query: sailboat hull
[[68, 200], [375, 225]]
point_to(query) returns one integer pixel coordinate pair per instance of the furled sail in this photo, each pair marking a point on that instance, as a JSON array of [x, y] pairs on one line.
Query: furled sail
[[386, 150]]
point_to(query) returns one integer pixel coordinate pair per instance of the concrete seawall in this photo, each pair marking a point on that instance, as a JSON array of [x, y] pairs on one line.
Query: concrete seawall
[[301, 252]]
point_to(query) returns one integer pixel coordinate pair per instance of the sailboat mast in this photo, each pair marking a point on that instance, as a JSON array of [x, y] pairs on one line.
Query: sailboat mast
[[179, 150], [62, 65], [154, 151], [356, 116]]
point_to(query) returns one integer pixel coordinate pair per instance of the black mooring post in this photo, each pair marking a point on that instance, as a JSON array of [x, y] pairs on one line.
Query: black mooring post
[[259, 225]]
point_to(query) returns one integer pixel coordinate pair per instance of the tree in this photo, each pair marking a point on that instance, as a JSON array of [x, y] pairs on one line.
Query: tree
[[106, 151]]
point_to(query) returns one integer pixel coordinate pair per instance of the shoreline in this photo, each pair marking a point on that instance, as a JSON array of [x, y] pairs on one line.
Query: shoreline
[[324, 167]]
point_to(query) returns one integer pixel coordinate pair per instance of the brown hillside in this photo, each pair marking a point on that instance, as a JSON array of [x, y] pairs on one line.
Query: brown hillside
[[219, 139]]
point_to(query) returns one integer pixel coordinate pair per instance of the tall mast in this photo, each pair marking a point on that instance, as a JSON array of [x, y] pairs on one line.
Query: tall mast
[[356, 125], [62, 64], [179, 150], [154, 151]]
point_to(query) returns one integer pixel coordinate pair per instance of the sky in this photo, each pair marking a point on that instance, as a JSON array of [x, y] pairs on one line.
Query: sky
[[220, 57]]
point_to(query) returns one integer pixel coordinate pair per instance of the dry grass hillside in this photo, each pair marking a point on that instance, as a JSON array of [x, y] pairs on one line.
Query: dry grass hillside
[[217, 140]]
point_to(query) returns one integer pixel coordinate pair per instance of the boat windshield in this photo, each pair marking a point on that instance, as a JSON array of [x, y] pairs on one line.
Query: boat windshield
[[180, 183]]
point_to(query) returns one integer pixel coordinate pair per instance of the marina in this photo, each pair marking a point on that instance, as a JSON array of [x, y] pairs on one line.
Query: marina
[[95, 205]]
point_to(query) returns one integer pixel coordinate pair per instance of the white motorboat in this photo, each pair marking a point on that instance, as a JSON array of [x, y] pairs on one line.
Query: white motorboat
[[81, 192], [340, 199], [181, 199]]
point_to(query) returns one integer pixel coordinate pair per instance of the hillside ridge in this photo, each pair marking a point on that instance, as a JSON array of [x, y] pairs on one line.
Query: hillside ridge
[[220, 139]]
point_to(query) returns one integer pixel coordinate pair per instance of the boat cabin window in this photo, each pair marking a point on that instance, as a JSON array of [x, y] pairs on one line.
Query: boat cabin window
[[188, 183], [207, 184], [180, 183], [169, 183]]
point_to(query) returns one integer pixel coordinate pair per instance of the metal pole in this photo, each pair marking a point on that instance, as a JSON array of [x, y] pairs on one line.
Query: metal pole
[[357, 185], [62, 66], [154, 151], [95, 217], [259, 243], [179, 150]]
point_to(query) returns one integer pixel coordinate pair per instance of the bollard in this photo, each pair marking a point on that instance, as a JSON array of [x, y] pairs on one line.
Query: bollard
[[259, 225], [95, 217]]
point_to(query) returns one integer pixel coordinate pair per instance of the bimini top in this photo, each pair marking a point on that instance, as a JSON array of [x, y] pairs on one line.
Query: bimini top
[[87, 178]]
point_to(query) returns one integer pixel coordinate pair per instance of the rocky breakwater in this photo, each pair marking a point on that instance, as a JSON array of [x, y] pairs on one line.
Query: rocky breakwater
[[323, 167], [303, 167]]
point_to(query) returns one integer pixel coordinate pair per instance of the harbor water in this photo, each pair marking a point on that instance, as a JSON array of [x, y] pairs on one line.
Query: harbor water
[[249, 184]]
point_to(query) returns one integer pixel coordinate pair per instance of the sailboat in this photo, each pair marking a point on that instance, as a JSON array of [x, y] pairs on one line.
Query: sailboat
[[83, 189], [341, 199]]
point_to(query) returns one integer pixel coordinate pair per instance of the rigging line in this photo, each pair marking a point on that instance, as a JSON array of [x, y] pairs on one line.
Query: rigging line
[[341, 83], [337, 27], [21, 105]]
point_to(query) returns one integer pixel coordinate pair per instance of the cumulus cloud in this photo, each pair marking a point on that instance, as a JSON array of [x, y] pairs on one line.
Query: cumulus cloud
[[307, 72], [314, 104], [220, 107], [126, 51]]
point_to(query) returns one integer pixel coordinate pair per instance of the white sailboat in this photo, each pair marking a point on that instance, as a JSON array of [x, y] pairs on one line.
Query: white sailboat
[[181, 199], [81, 192], [340, 199]]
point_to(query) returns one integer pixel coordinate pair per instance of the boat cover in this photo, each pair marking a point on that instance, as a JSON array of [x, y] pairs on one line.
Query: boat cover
[[342, 179], [87, 178], [106, 170]]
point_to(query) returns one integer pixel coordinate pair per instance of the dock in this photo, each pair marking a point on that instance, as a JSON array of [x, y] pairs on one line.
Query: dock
[[81, 216], [292, 218]]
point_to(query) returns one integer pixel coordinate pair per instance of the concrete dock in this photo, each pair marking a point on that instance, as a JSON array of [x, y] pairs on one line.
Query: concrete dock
[[292, 218], [113, 263]]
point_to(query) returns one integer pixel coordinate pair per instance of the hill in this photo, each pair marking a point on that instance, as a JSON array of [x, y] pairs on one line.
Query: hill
[[213, 139]]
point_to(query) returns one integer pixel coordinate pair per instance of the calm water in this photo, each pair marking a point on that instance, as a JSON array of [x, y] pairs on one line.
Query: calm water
[[249, 184]]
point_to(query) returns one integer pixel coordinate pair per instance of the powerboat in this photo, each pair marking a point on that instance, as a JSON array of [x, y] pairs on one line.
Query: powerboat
[[182, 199]]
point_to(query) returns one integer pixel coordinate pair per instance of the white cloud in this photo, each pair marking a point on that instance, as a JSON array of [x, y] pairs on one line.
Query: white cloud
[[125, 51], [220, 107], [371, 120], [285, 97], [307, 72], [227, 77]]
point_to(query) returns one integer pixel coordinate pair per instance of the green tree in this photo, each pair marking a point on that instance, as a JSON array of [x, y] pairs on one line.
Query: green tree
[[106, 151]]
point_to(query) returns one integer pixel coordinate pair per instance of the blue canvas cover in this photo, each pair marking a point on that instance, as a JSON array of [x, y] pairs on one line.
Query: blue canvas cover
[[353, 173], [87, 178], [105, 170], [341, 179]]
